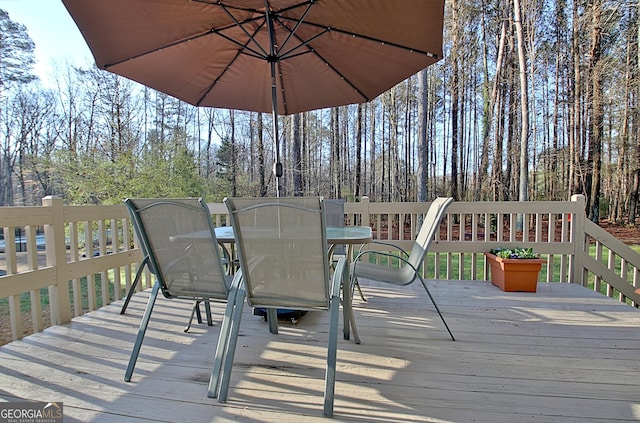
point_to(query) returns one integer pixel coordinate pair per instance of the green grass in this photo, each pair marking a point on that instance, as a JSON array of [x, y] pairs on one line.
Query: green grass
[[454, 258], [25, 298], [465, 273]]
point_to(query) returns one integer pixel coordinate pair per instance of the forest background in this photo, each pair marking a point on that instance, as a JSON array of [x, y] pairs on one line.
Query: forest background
[[533, 100]]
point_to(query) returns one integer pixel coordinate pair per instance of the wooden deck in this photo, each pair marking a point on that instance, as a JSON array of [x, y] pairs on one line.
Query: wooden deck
[[563, 354]]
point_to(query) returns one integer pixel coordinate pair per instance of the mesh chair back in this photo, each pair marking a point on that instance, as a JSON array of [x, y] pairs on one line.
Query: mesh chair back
[[430, 225], [334, 212], [281, 244], [178, 237], [334, 216]]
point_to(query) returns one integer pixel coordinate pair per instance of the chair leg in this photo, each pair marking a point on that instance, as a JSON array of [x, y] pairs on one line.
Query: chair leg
[[340, 275], [232, 341], [357, 285], [207, 312], [194, 311], [196, 307], [330, 374], [354, 328], [141, 331], [347, 314], [437, 309], [272, 318], [235, 295], [350, 322], [132, 289]]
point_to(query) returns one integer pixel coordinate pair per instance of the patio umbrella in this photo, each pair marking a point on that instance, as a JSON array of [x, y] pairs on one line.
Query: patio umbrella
[[278, 56]]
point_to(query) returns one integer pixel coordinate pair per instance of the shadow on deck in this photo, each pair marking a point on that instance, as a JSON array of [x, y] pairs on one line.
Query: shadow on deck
[[563, 354]]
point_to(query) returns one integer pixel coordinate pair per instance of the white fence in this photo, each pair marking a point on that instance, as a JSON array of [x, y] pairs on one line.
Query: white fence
[[83, 257]]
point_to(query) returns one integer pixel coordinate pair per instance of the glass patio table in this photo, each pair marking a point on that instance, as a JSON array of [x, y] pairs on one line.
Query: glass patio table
[[349, 235]]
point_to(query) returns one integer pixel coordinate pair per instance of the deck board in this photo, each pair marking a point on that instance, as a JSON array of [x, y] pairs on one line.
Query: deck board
[[563, 354]]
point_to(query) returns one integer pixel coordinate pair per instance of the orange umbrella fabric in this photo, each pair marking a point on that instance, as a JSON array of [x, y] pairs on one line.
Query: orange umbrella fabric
[[278, 56], [219, 53]]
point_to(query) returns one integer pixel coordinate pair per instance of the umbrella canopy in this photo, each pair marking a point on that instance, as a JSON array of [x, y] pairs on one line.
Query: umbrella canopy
[[278, 56]]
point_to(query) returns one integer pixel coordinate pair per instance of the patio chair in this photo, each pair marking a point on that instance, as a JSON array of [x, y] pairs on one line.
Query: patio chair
[[282, 249], [186, 264], [145, 262], [410, 263]]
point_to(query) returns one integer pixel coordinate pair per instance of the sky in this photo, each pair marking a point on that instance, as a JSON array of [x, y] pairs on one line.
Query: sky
[[57, 38]]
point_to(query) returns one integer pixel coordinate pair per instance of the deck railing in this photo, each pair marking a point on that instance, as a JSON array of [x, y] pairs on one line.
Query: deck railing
[[84, 257]]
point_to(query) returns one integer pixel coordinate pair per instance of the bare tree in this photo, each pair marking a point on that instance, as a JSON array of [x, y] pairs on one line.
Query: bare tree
[[16, 68], [455, 97], [594, 161], [359, 144], [297, 155], [524, 105], [423, 147]]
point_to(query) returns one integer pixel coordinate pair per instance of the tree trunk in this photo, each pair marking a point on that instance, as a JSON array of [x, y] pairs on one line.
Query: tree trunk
[[423, 149], [297, 155], [455, 95], [372, 154], [234, 155], [489, 112], [335, 153], [524, 105], [634, 75], [596, 125], [262, 186], [359, 141]]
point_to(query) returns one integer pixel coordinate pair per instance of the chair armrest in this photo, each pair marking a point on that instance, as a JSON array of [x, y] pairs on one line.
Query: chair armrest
[[384, 254], [388, 244], [362, 250], [339, 275]]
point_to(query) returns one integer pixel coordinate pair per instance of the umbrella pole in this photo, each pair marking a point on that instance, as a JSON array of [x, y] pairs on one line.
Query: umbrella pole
[[277, 166]]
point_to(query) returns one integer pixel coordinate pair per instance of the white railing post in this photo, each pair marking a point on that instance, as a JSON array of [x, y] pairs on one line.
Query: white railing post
[[578, 237], [365, 216], [56, 256]]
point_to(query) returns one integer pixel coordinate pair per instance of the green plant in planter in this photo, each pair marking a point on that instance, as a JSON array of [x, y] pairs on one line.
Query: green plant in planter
[[514, 253], [514, 269]]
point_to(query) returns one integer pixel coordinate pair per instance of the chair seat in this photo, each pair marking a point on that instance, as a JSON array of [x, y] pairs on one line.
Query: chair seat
[[376, 272]]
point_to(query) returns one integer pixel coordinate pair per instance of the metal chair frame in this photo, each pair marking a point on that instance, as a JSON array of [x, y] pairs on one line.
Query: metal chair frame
[[410, 263]]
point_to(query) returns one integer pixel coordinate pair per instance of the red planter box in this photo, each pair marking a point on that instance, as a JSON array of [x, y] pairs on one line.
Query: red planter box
[[515, 274]]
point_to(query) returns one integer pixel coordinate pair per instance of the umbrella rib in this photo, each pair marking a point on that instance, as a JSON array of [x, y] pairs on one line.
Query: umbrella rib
[[219, 32], [344, 78], [242, 27], [244, 46], [290, 53], [366, 37], [295, 28], [106, 66]]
